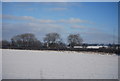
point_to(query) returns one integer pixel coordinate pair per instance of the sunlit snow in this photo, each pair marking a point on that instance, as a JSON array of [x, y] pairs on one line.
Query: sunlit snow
[[28, 64]]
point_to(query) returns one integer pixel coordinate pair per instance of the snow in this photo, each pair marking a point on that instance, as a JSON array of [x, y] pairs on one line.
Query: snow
[[94, 47], [0, 65], [119, 68], [78, 46], [26, 64]]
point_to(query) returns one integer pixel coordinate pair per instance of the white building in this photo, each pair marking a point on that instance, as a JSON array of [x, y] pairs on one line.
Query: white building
[[91, 47]]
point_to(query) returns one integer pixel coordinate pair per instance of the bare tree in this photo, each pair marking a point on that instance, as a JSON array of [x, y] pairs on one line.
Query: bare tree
[[25, 40], [74, 39], [5, 44], [51, 39], [0, 44]]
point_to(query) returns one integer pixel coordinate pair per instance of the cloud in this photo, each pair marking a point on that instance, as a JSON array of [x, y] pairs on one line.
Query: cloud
[[35, 0], [0, 16], [57, 9], [11, 17], [100, 37], [40, 30], [71, 20], [46, 21], [40, 27], [31, 26], [11, 29], [26, 18], [30, 9], [33, 19], [78, 26]]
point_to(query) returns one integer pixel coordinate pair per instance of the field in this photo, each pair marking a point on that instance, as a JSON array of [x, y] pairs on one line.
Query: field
[[0, 64], [26, 64]]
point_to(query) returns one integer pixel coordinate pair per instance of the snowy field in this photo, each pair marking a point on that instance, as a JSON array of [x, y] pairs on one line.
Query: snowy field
[[0, 64], [24, 64]]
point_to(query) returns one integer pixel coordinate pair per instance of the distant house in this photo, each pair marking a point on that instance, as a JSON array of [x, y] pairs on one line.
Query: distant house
[[78, 46], [94, 47], [91, 46]]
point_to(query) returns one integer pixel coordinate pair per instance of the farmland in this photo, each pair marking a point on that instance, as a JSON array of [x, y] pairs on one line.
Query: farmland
[[28, 64]]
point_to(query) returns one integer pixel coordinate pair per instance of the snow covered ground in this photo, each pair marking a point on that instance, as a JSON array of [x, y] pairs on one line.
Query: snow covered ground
[[26, 64], [0, 64]]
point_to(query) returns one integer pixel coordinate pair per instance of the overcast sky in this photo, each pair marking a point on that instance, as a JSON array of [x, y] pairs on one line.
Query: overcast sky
[[96, 22]]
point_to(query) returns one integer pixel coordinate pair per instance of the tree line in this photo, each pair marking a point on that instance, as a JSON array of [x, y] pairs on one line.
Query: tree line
[[51, 41]]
